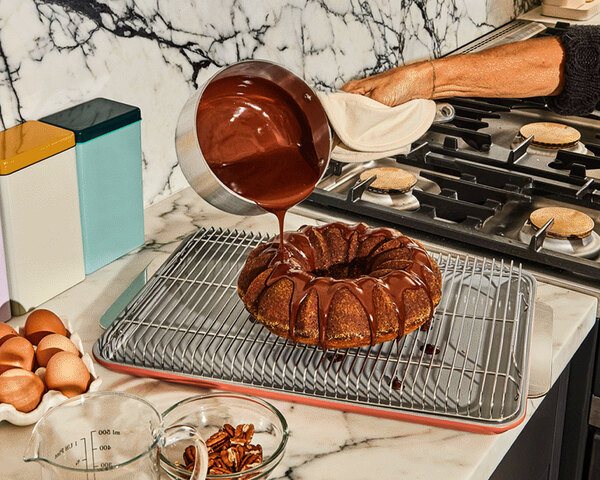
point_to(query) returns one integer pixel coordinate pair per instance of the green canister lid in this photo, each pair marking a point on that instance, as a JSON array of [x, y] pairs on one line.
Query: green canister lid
[[94, 118]]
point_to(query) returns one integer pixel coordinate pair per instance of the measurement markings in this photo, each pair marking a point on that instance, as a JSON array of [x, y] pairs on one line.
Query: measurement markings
[[93, 449], [85, 456]]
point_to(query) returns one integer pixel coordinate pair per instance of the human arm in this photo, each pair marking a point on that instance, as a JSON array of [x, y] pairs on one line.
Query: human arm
[[522, 69]]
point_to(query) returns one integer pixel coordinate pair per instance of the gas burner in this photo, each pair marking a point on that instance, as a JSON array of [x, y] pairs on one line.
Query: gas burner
[[399, 201], [392, 187], [566, 222], [588, 247], [549, 138], [570, 232], [389, 180], [550, 135]]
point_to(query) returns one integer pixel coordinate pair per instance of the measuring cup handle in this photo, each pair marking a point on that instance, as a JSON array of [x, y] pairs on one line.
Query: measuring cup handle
[[177, 433]]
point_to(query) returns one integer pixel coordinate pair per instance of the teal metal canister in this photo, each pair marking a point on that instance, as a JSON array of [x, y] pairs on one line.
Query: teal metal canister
[[109, 174]]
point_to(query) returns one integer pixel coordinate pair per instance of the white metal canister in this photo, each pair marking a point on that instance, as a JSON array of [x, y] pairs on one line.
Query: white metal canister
[[39, 208]]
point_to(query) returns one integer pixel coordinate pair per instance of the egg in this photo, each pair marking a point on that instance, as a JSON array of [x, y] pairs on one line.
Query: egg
[[41, 323], [52, 344], [16, 352], [67, 373], [21, 388], [6, 331]]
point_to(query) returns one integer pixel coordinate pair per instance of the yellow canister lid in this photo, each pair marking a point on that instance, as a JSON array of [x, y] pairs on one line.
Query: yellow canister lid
[[30, 142]]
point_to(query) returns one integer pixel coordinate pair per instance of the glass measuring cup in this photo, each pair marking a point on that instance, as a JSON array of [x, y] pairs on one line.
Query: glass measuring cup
[[106, 435]]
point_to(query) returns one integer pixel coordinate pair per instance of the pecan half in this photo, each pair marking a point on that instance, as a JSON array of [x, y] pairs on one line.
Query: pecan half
[[217, 440], [251, 461], [229, 430], [189, 455], [254, 450], [232, 457], [243, 433]]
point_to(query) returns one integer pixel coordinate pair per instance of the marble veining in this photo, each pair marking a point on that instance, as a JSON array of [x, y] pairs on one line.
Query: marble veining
[[154, 53]]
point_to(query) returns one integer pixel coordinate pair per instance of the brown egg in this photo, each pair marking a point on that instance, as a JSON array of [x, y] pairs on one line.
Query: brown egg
[[6, 331], [67, 373], [51, 344], [41, 323], [16, 352], [21, 388]]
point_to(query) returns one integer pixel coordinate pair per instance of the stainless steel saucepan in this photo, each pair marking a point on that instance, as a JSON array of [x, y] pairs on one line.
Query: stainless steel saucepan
[[192, 161]]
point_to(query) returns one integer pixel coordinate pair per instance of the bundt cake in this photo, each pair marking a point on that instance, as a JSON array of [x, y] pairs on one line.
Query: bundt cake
[[341, 286]]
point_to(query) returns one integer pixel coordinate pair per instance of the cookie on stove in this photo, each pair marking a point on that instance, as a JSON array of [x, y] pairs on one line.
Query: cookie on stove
[[550, 135], [389, 180], [568, 223]]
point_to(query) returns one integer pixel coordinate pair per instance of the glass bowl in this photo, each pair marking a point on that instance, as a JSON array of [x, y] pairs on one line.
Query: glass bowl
[[208, 413]]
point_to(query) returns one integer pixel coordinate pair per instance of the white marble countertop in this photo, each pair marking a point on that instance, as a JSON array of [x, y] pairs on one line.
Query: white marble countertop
[[323, 443]]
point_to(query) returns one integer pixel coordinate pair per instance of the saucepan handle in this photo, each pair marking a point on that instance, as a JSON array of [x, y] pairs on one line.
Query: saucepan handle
[[177, 433], [444, 113]]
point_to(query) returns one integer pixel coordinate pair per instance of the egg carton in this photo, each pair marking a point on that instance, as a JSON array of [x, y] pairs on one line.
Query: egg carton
[[52, 397]]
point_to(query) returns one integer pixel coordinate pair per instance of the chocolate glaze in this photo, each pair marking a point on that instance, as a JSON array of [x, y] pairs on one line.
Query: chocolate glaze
[[300, 264], [263, 149]]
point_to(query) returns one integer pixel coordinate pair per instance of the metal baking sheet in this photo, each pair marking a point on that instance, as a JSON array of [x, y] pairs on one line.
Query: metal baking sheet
[[468, 370]]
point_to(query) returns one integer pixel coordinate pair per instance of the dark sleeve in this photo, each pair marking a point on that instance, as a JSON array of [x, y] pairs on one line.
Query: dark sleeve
[[581, 91]]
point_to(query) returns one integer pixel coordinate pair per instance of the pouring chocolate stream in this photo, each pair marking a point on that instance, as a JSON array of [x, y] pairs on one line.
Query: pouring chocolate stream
[[265, 153]]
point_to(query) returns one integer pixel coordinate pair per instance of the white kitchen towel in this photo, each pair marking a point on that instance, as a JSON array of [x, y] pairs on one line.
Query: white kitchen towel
[[365, 125], [343, 153]]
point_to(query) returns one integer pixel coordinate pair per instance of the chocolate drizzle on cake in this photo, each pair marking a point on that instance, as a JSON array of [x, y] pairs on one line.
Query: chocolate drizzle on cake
[[299, 265], [341, 286]]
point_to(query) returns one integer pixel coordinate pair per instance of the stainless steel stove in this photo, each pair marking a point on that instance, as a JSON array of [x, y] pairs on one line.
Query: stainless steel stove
[[478, 181]]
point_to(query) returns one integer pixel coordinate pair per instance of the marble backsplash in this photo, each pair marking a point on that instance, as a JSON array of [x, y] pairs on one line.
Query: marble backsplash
[[154, 53]]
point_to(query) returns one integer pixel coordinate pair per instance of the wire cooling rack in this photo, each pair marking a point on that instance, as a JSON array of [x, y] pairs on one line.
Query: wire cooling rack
[[468, 370]]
